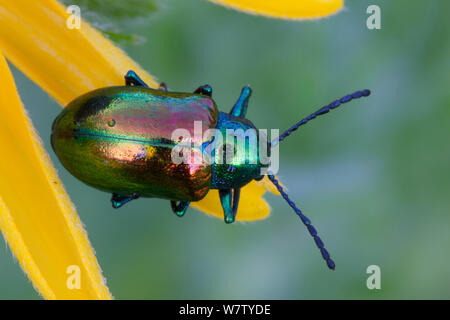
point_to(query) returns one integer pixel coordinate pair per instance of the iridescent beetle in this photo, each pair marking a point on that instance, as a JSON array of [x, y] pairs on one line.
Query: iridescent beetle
[[119, 140]]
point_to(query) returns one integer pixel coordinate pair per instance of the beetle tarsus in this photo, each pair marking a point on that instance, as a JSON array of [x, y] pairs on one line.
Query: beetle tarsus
[[179, 208], [131, 78], [205, 90], [230, 202], [118, 200], [163, 87]]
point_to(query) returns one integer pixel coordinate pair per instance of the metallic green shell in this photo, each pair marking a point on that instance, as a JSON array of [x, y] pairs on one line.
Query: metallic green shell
[[119, 139]]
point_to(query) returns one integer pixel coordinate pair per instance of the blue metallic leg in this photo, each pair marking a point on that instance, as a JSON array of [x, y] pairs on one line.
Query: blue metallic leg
[[118, 200], [131, 78], [230, 202], [205, 90], [240, 108], [179, 208]]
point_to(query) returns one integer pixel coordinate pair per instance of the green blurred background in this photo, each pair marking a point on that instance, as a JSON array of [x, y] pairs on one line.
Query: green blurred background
[[373, 177]]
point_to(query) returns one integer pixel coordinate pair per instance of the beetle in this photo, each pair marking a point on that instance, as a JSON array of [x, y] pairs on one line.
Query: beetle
[[119, 140]]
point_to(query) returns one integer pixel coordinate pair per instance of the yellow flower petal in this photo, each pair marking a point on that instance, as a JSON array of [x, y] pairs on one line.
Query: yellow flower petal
[[64, 62], [286, 9], [268, 185], [37, 218]]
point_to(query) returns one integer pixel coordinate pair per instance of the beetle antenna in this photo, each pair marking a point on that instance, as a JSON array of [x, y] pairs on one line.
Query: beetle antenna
[[323, 110], [306, 222]]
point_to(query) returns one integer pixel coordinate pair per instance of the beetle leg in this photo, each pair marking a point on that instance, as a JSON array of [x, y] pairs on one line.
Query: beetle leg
[[131, 78], [118, 200], [179, 208], [162, 87], [205, 90], [240, 108], [230, 201]]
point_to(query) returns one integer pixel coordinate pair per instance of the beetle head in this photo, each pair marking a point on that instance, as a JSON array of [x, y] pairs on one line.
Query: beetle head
[[235, 152]]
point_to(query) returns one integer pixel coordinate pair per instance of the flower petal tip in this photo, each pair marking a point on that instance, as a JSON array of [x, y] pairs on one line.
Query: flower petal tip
[[286, 9]]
